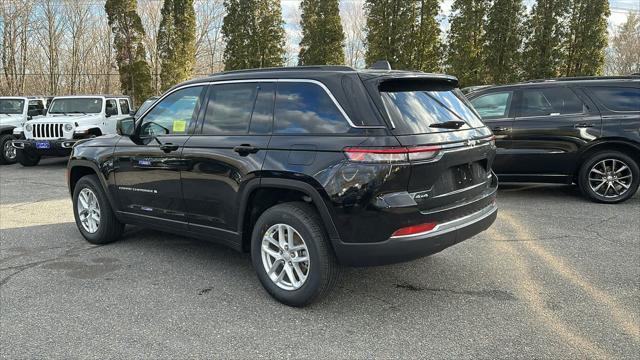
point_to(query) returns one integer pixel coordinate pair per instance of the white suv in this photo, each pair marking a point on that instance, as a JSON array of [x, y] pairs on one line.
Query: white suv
[[14, 112], [69, 119]]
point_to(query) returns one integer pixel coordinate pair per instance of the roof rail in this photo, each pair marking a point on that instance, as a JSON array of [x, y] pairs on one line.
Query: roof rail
[[289, 68], [574, 78]]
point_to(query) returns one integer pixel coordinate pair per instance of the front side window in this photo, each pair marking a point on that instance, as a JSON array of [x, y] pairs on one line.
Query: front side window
[[493, 106], [549, 101], [173, 114], [124, 106], [305, 108], [11, 106], [112, 107], [76, 106], [618, 98]]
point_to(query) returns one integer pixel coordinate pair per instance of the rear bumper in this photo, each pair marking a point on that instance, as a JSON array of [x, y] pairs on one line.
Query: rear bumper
[[61, 147], [399, 249]]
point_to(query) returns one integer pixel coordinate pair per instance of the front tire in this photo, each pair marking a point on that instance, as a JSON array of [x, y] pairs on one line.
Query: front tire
[[609, 177], [292, 255], [8, 155], [26, 159], [93, 213]]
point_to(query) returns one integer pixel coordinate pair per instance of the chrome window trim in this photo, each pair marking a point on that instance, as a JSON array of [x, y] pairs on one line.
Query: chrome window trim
[[278, 80]]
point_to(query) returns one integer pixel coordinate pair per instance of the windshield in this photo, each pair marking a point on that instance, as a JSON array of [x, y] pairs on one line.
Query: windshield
[[423, 111], [145, 105], [76, 106], [11, 106]]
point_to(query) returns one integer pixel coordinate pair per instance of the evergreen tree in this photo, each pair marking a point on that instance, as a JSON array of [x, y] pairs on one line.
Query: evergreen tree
[[322, 35], [176, 41], [503, 41], [546, 29], [135, 75], [587, 39], [466, 40], [254, 34], [403, 32]]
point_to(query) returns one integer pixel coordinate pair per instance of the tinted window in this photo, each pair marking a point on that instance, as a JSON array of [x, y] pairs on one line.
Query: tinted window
[[305, 108], [173, 114], [493, 106], [229, 108], [124, 106], [262, 117], [414, 111], [618, 98], [111, 107], [549, 101]]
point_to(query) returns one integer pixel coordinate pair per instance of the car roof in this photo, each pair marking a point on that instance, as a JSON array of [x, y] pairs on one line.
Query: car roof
[[314, 73], [91, 96], [586, 80]]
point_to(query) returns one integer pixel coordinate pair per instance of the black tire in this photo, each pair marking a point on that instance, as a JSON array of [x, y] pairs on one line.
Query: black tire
[[323, 271], [5, 140], [585, 169], [26, 159], [109, 229]]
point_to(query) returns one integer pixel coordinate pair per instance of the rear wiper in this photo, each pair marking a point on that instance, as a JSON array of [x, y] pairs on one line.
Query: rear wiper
[[453, 124]]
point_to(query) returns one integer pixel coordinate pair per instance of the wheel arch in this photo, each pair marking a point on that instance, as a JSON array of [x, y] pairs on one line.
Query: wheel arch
[[263, 193], [616, 144], [78, 169]]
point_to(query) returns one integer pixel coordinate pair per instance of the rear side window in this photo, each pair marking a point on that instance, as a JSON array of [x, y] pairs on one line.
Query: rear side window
[[416, 111], [493, 106], [305, 108], [618, 98], [229, 109], [549, 101], [124, 106]]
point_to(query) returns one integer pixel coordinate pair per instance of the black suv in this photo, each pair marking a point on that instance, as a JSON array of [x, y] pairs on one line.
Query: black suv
[[572, 130], [305, 168]]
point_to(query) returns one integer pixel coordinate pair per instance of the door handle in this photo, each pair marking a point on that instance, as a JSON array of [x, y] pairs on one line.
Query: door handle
[[168, 147], [500, 129], [582, 125], [245, 149]]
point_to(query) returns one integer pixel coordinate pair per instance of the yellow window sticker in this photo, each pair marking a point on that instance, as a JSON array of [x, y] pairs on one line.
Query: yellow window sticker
[[179, 126]]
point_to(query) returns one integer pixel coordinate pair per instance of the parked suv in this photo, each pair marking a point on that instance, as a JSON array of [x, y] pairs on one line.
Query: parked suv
[[14, 112], [68, 119], [306, 168], [574, 130]]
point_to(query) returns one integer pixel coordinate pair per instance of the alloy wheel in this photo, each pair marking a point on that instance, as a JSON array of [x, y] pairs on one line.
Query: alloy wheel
[[285, 257], [9, 151], [610, 178], [89, 210]]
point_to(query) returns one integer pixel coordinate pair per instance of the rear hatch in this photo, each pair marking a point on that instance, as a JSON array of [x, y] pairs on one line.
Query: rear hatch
[[430, 112]]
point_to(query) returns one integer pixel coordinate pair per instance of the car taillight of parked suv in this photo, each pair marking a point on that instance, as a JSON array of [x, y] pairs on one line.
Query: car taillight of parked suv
[[570, 130], [306, 168]]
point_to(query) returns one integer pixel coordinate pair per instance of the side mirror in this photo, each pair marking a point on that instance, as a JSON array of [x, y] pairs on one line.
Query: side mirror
[[33, 112], [44, 112], [29, 117], [131, 113], [110, 111], [125, 127]]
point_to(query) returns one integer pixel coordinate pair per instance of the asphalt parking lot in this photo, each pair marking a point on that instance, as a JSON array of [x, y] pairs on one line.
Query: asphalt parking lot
[[556, 277]]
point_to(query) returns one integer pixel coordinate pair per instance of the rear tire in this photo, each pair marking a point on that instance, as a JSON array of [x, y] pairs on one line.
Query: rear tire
[[8, 155], [88, 191], [609, 177], [321, 270], [26, 159]]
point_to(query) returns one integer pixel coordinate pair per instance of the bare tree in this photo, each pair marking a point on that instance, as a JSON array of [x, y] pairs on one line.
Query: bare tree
[[209, 45], [16, 19], [353, 23], [623, 57], [49, 31]]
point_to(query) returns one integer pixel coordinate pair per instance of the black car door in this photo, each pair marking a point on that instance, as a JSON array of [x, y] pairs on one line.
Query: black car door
[[226, 152], [496, 111], [147, 166], [552, 123]]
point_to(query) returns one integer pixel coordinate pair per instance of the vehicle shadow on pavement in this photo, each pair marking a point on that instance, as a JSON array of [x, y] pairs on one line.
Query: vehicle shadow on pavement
[[542, 192]]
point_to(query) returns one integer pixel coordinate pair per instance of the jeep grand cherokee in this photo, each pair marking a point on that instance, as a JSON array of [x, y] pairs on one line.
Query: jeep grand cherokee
[[306, 168]]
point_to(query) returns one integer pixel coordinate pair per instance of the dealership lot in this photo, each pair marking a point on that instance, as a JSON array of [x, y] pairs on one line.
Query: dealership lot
[[556, 277]]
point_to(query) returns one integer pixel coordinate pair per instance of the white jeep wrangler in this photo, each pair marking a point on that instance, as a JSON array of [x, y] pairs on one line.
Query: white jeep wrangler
[[69, 119], [14, 112]]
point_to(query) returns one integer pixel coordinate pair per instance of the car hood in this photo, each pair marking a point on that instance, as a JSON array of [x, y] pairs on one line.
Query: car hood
[[79, 118]]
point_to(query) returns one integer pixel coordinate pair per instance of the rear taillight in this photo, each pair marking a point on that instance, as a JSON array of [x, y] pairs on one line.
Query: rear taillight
[[415, 229], [392, 154]]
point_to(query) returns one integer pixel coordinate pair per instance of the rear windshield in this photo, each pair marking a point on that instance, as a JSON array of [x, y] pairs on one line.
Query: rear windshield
[[419, 111]]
